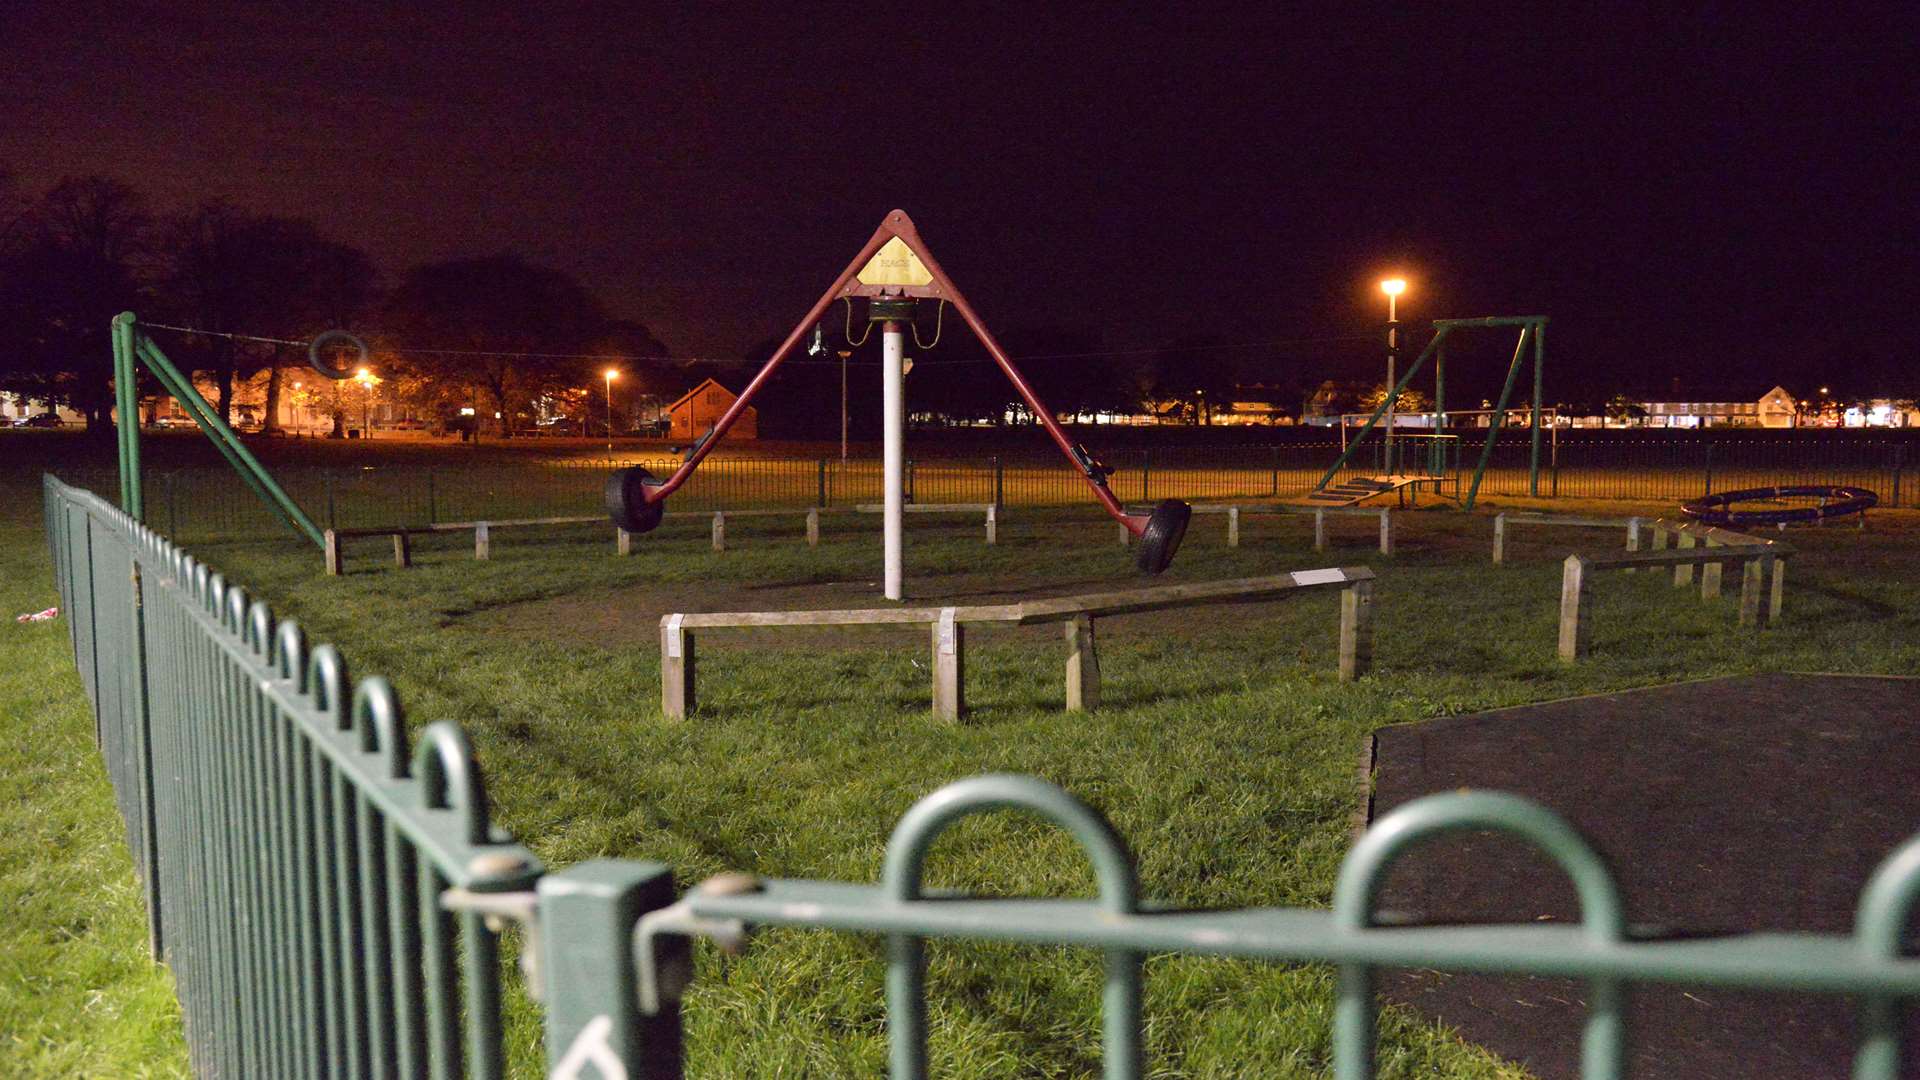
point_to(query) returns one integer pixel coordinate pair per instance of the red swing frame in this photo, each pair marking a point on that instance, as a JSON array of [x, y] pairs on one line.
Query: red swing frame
[[848, 285]]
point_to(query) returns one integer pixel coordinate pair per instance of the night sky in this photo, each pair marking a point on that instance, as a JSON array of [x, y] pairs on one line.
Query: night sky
[[1714, 197]]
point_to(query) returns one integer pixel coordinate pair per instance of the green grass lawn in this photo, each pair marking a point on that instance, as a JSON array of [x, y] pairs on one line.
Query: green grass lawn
[[1225, 753], [78, 996]]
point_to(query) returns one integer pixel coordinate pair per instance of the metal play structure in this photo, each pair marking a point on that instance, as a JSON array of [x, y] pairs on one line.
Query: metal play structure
[[893, 272], [132, 348], [1533, 330]]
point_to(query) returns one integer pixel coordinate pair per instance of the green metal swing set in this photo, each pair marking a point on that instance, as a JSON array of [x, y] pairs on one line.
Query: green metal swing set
[[132, 347], [1533, 330]]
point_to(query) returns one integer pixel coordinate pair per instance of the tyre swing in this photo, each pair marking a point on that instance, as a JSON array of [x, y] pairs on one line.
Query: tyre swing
[[1836, 500], [892, 273]]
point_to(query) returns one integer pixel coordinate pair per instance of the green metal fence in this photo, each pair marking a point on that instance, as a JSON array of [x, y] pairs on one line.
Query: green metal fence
[[329, 901]]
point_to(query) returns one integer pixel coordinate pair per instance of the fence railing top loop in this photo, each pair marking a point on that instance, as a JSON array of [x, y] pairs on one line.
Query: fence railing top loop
[[259, 629], [450, 779], [1601, 913], [327, 682], [1888, 902], [380, 725], [233, 611], [913, 837], [290, 654]]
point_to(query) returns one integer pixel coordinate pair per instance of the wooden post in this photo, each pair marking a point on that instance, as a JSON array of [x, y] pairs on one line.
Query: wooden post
[[676, 669], [622, 541], [482, 542], [1319, 530], [402, 550], [1233, 526], [336, 564], [1356, 630], [719, 531], [1499, 538], [1083, 665], [1126, 535], [813, 527], [1683, 574], [993, 524], [1386, 531], [1576, 609], [949, 666], [1710, 574], [1776, 585], [1753, 587], [1633, 537]]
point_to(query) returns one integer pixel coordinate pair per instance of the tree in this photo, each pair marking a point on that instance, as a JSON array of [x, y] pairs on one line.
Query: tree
[[229, 271], [1410, 400], [497, 325], [74, 265]]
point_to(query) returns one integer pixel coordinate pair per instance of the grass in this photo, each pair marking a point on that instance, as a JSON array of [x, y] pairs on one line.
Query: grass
[[1225, 752], [78, 996]]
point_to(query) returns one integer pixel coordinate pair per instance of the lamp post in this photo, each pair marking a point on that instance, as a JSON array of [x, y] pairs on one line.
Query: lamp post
[[1393, 287], [611, 375], [844, 353], [365, 378]]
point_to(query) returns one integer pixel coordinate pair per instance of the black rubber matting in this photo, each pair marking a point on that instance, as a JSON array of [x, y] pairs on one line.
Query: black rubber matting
[[1726, 805]]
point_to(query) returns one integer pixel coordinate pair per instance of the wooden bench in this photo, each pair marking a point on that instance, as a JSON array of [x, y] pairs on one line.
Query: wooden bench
[[1762, 572], [1508, 519], [1234, 511], [991, 511], [1077, 614]]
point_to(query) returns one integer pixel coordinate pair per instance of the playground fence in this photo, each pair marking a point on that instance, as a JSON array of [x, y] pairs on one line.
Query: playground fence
[[331, 898], [207, 504]]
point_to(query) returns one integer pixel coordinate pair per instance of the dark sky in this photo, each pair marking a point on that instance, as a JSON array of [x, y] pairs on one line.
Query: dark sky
[[1726, 194]]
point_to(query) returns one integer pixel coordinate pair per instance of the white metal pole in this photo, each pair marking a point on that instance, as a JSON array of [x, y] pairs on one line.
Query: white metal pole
[[893, 407], [1393, 353]]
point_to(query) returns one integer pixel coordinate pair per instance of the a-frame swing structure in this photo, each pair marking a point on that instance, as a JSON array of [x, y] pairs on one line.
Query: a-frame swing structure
[[893, 272], [1533, 333]]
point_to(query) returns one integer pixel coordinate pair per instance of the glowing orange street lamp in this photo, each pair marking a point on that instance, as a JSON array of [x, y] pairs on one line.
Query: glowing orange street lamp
[[365, 378], [611, 374], [1393, 287]]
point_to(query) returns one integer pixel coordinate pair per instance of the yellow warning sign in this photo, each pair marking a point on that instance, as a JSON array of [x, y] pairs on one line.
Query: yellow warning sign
[[894, 264]]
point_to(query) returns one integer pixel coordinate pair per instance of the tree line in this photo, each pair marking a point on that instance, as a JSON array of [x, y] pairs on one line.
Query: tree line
[[497, 334]]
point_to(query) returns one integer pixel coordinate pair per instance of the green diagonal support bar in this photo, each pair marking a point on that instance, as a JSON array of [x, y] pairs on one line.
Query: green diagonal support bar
[[223, 437], [1499, 416], [126, 395], [1393, 394]]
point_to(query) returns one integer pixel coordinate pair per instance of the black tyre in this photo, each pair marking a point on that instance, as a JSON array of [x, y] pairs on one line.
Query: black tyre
[[322, 366], [627, 502], [1166, 527]]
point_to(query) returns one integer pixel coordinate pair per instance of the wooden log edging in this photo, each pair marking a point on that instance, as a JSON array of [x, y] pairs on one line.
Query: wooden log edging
[[1760, 565], [1235, 511], [947, 626], [991, 512], [1505, 520]]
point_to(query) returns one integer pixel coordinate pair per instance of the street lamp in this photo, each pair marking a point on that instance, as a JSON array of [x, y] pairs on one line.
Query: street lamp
[[1393, 287], [365, 378], [611, 375]]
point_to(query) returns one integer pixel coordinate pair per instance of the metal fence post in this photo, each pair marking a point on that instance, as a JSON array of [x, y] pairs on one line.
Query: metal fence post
[[328, 476], [1273, 486], [587, 917], [1709, 487], [173, 508], [1899, 458], [431, 516], [1000, 483], [820, 496], [1146, 476]]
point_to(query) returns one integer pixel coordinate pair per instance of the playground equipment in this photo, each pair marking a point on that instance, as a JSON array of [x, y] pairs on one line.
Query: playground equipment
[[1533, 328], [893, 272], [133, 347], [1836, 500]]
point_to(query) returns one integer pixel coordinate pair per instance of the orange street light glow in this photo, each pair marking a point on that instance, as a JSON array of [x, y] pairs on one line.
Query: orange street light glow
[[1393, 286], [612, 374]]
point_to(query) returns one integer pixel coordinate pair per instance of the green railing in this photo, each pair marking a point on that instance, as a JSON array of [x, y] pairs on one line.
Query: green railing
[[327, 899]]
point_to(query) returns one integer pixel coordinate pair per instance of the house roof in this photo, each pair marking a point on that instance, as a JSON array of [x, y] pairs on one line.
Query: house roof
[[703, 384]]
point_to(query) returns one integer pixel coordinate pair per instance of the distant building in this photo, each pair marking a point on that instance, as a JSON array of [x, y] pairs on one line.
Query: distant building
[[695, 413], [1774, 409]]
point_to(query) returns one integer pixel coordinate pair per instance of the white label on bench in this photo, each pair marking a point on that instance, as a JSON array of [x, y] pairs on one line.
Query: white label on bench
[[1318, 577], [673, 636], [946, 631]]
